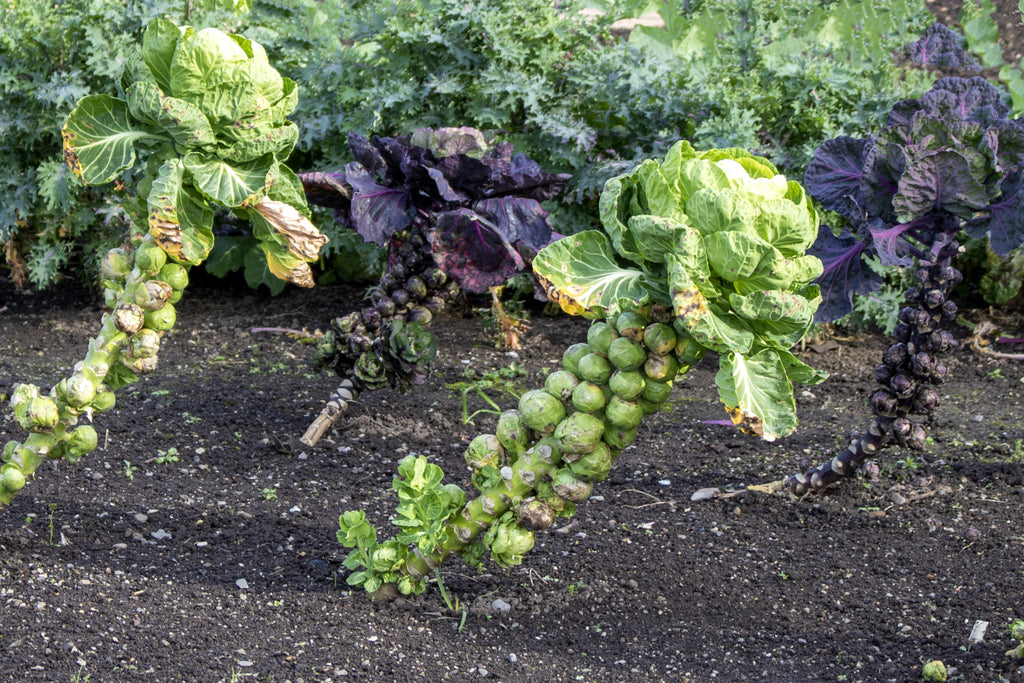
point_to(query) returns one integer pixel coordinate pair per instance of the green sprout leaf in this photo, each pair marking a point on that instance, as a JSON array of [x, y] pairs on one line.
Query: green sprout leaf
[[100, 139]]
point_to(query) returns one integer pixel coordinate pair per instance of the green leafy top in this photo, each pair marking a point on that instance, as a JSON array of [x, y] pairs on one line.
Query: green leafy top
[[719, 237], [207, 113]]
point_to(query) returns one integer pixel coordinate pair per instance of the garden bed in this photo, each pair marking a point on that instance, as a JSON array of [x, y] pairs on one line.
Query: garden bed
[[223, 564]]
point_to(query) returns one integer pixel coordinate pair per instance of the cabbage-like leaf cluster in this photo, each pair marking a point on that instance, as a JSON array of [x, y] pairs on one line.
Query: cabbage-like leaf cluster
[[718, 237], [479, 205], [207, 112], [941, 46], [951, 160]]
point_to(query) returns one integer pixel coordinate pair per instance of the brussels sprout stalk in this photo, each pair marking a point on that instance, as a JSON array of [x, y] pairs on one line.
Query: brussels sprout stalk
[[112, 359]]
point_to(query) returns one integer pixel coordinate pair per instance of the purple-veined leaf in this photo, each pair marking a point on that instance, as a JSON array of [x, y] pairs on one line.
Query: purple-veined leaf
[[883, 167], [470, 249], [518, 219], [378, 211], [970, 99], [891, 244], [940, 181], [835, 172], [1006, 140], [1004, 221], [845, 272]]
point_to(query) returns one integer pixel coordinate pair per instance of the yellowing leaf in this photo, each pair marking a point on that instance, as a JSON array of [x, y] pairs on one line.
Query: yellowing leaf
[[303, 239]]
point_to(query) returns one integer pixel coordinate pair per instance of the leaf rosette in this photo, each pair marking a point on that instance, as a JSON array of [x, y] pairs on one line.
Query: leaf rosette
[[717, 237], [204, 114]]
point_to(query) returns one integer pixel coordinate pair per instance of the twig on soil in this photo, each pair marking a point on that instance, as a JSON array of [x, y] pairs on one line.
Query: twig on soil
[[979, 344]]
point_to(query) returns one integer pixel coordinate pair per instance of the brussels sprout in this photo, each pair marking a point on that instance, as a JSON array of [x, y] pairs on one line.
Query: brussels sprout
[[419, 314], [512, 433], [116, 265], [111, 296], [434, 277], [547, 450], [79, 390], [37, 414], [129, 318], [595, 368], [535, 515], [659, 338], [588, 397], [371, 371], [568, 486], [600, 335], [595, 466], [140, 366], [456, 495], [104, 399], [934, 670], [884, 402], [579, 433], [144, 344], [150, 258], [434, 304], [618, 438], [80, 441], [657, 392], [626, 354], [540, 411], [508, 543], [175, 275], [416, 287], [401, 298], [162, 319], [627, 384], [688, 351], [12, 478], [661, 368], [572, 355], [23, 393], [152, 294], [560, 384], [484, 450], [631, 324], [623, 414]]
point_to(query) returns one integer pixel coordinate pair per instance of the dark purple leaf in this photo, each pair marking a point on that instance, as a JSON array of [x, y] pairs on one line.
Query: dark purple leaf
[[891, 245], [1006, 140], [835, 172], [378, 211], [328, 189], [941, 46], [970, 99], [367, 156], [939, 182], [883, 167], [522, 176], [845, 272], [470, 249], [518, 219], [1004, 220]]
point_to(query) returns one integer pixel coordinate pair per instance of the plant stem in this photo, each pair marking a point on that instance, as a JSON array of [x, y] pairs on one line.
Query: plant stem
[[337, 403]]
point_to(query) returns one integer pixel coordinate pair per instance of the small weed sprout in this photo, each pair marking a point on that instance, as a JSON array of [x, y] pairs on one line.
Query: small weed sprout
[[166, 457], [269, 494]]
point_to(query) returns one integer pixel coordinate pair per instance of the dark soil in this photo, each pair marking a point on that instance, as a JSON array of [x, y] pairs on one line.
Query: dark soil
[[223, 564]]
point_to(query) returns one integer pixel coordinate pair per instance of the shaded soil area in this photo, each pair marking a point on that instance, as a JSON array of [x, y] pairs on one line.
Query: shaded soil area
[[223, 565]]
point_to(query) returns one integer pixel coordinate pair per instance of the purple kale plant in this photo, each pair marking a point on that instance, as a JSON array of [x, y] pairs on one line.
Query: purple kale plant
[[948, 162], [942, 47]]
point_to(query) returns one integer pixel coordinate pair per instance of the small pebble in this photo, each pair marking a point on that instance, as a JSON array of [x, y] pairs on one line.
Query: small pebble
[[512, 657], [160, 535], [898, 499], [978, 418], [141, 517], [500, 605], [242, 583], [704, 494]]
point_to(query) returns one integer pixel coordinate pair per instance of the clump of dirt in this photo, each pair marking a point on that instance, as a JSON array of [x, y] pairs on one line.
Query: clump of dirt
[[222, 564]]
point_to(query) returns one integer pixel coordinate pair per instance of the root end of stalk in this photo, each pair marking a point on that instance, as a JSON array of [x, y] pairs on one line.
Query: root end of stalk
[[388, 592], [771, 487]]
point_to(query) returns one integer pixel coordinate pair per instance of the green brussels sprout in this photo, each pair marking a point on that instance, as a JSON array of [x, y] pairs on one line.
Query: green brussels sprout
[[560, 385], [39, 414], [618, 438], [688, 351], [104, 399], [175, 275], [144, 344], [547, 450], [659, 338], [407, 585], [456, 495], [484, 450], [627, 384], [23, 393], [649, 407], [631, 324], [588, 397], [150, 258], [116, 265], [129, 318], [626, 354], [657, 392], [12, 478], [934, 670], [162, 319], [535, 515], [623, 414], [595, 368], [578, 434], [512, 433], [152, 294], [540, 411], [508, 543], [1017, 629], [8, 451], [600, 335], [79, 390], [572, 355], [111, 296], [661, 368], [561, 506], [140, 366], [371, 370], [568, 486], [595, 466], [80, 441]]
